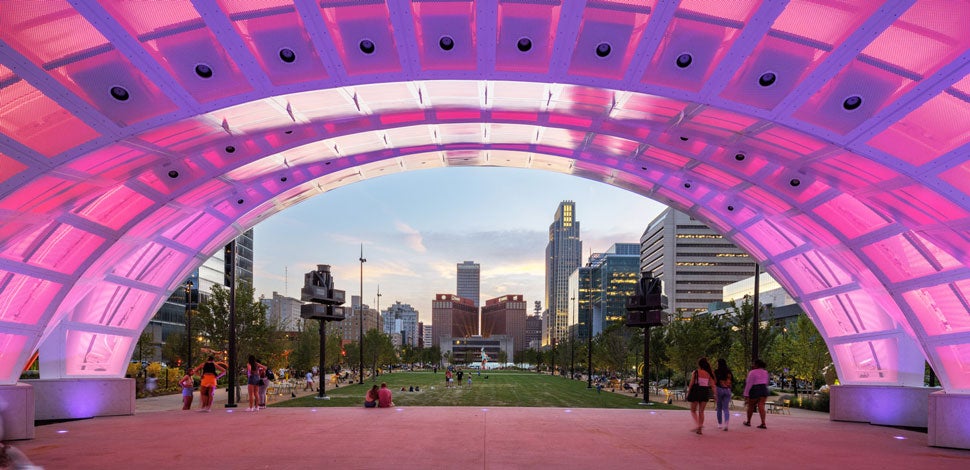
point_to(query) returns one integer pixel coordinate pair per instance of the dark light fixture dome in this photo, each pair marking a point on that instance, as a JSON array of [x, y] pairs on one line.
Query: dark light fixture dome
[[119, 93], [604, 49], [203, 70], [367, 46], [684, 60], [287, 55]]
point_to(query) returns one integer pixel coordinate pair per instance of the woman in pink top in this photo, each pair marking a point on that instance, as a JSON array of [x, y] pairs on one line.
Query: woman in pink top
[[756, 391], [700, 390]]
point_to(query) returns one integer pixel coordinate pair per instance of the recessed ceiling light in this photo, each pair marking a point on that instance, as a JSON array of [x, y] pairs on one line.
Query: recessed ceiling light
[[119, 93], [684, 60], [287, 55]]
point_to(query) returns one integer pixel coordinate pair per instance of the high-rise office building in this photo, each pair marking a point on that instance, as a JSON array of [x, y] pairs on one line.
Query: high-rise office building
[[427, 332], [469, 281], [599, 291], [453, 317], [563, 256], [694, 261], [506, 315], [283, 312], [401, 319], [350, 326], [533, 331]]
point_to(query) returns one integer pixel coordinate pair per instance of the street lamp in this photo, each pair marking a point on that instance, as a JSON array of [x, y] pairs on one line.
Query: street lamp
[[188, 323], [589, 328], [360, 315], [572, 344]]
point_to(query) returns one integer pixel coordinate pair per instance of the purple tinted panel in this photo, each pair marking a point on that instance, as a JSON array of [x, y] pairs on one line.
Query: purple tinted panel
[[47, 195], [774, 239], [23, 299], [621, 33], [809, 227], [842, 18], [350, 24], [955, 359], [849, 314], [942, 309], [850, 216], [716, 175], [766, 200], [93, 78], [815, 272], [9, 167], [876, 86], [756, 252], [115, 207], [921, 204], [93, 354], [151, 264], [721, 119], [706, 43], [162, 179], [35, 120], [935, 128], [615, 146], [649, 108], [563, 138], [901, 258], [963, 86], [205, 193], [537, 24], [181, 53], [958, 176], [65, 249], [868, 361], [788, 139], [47, 31], [114, 162], [434, 25], [712, 219], [268, 32], [194, 230], [788, 61], [11, 347], [665, 158], [186, 133], [743, 162]]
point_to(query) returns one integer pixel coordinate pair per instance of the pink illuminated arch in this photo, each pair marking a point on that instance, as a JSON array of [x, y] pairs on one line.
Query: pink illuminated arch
[[827, 138]]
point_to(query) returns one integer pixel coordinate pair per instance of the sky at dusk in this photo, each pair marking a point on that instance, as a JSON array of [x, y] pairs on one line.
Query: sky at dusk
[[416, 227]]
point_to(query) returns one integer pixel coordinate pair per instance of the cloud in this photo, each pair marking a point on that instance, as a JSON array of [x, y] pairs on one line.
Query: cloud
[[412, 237]]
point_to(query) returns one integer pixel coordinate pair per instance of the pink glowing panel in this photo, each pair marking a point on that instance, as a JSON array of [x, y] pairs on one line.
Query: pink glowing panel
[[705, 43], [849, 171], [536, 23], [185, 134], [793, 141], [955, 360], [48, 31], [9, 167], [850, 314], [108, 304], [941, 309], [871, 362], [114, 162], [664, 157], [649, 108], [814, 271], [178, 38], [358, 28], [716, 175], [257, 169], [963, 86], [724, 120], [412, 136], [435, 23], [774, 238], [584, 101], [842, 18], [36, 121], [21, 295], [63, 249], [511, 133], [269, 27], [850, 216], [194, 230], [238, 203], [205, 193], [799, 186], [115, 207], [741, 160], [813, 231], [564, 138], [619, 34], [754, 249], [334, 103], [958, 177], [151, 263], [876, 87], [46, 195], [615, 146], [788, 61], [149, 226], [905, 257], [714, 220], [456, 134], [11, 347], [766, 199], [921, 204], [930, 34], [171, 177], [935, 128], [94, 354]]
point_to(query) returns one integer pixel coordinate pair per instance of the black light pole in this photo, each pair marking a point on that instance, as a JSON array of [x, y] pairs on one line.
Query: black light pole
[[360, 313], [322, 389], [572, 345], [756, 322], [231, 253], [188, 323], [589, 331]]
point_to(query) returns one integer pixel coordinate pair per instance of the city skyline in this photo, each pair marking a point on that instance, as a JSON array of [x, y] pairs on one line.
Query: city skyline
[[416, 226]]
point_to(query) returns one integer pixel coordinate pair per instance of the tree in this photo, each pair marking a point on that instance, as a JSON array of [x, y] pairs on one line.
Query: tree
[[810, 353], [306, 351], [378, 349], [739, 321], [253, 335], [611, 348], [690, 338]]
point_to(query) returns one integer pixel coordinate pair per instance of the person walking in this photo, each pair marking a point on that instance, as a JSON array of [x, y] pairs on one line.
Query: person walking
[[756, 391], [309, 381], [699, 391], [264, 382], [207, 386], [723, 379], [370, 399], [384, 397], [187, 383], [253, 370]]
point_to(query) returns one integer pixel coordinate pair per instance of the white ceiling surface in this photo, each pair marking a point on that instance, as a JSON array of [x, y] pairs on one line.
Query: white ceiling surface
[[107, 205]]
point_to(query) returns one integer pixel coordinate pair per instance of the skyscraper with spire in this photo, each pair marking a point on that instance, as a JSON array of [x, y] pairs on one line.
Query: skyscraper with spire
[[563, 256]]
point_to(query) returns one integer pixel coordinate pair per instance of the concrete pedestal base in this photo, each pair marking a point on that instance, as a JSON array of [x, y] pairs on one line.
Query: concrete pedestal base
[[16, 412], [949, 420], [82, 398], [887, 406]]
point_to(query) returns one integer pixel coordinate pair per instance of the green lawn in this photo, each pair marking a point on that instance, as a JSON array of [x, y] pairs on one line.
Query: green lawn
[[501, 388]]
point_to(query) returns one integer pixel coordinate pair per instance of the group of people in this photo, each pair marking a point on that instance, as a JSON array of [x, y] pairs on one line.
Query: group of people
[[258, 379], [378, 397], [705, 383]]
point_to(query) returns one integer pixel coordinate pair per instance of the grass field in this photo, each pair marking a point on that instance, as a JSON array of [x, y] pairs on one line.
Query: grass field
[[500, 388]]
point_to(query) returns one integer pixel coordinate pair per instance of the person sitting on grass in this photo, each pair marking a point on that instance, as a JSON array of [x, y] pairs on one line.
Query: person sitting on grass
[[384, 397]]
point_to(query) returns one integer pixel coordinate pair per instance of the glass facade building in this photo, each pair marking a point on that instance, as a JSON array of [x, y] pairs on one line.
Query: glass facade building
[[563, 256]]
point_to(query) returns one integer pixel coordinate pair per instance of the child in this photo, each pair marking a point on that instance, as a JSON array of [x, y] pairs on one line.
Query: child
[[187, 385]]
